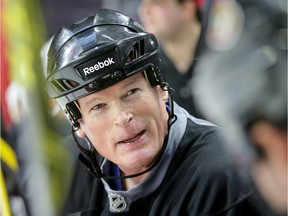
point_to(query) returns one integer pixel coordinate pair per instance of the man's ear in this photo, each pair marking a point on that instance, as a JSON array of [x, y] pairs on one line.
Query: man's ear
[[164, 94], [80, 132]]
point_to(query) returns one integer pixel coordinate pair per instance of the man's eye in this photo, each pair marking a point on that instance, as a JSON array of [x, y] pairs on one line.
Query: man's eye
[[98, 107], [132, 91]]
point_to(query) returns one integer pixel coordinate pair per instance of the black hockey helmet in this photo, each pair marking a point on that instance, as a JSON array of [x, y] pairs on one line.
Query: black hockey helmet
[[96, 53]]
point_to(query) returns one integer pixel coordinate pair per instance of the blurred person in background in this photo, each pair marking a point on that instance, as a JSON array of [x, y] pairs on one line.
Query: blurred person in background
[[147, 155], [242, 85], [179, 26], [16, 96], [129, 7]]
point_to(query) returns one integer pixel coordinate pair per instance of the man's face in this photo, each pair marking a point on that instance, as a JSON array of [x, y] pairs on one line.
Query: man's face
[[270, 170], [126, 123], [161, 17]]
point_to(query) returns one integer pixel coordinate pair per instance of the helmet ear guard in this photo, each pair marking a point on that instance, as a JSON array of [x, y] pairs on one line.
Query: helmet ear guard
[[73, 113], [152, 77]]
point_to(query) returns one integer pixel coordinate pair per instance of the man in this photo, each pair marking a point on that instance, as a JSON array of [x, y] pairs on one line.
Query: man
[[179, 26], [245, 89], [148, 156]]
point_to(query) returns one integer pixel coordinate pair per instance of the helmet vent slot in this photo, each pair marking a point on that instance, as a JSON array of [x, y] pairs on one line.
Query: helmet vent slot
[[64, 85], [136, 52]]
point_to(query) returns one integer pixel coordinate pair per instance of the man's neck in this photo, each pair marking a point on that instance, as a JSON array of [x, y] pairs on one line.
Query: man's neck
[[131, 182]]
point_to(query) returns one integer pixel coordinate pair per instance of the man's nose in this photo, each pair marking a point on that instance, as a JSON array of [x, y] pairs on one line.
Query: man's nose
[[122, 115]]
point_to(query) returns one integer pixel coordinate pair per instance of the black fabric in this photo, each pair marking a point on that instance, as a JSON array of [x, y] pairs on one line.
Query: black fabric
[[199, 181]]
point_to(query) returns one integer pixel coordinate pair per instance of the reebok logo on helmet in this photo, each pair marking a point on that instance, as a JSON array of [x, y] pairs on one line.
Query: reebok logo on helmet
[[87, 69], [97, 66]]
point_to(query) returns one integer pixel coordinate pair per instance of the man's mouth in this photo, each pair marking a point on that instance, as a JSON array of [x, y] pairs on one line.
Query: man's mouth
[[133, 138]]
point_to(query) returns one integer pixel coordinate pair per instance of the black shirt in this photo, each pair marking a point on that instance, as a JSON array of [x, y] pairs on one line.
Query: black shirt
[[181, 82]]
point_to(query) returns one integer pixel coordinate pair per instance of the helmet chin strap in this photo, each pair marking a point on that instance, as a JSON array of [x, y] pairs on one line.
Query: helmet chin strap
[[93, 166], [90, 160]]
